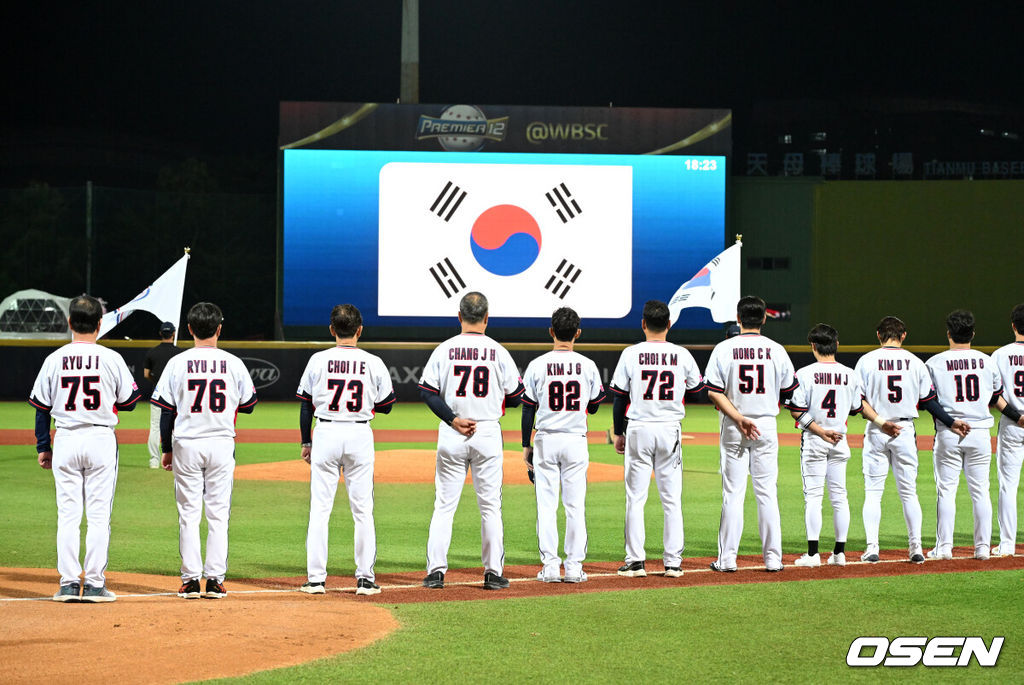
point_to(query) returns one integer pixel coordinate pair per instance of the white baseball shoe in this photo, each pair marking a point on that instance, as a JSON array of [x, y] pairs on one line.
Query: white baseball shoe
[[940, 555], [809, 561], [870, 554], [673, 572], [982, 552], [1000, 551], [575, 578], [549, 575], [837, 559]]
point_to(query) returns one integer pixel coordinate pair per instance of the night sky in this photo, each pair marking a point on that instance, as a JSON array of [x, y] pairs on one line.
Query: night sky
[[209, 75]]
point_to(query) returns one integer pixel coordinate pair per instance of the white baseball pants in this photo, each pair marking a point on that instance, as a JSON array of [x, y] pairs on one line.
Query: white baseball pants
[[341, 449], [561, 459], [822, 462], [84, 474], [759, 459], [654, 448], [900, 454], [973, 456], [204, 472], [1009, 455], [155, 451], [482, 455]]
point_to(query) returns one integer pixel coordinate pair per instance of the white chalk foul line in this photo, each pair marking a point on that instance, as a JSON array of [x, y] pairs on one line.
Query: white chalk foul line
[[470, 583]]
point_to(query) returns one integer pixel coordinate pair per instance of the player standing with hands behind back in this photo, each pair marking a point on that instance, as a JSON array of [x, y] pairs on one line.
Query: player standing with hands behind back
[[467, 382], [562, 387], [200, 393], [650, 383], [895, 384], [966, 383], [828, 392], [747, 376], [82, 386], [344, 387]]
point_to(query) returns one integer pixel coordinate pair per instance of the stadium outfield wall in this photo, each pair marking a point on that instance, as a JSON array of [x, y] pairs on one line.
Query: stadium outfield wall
[[276, 367]]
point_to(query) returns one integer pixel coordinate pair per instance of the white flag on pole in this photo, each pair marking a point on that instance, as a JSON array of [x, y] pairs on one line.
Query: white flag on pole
[[715, 287], [162, 299]]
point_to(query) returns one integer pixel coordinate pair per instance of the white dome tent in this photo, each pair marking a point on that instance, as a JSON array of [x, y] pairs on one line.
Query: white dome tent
[[34, 315]]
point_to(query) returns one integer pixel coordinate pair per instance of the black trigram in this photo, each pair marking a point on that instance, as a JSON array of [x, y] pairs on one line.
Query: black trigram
[[563, 278], [444, 278], [448, 200], [562, 200]]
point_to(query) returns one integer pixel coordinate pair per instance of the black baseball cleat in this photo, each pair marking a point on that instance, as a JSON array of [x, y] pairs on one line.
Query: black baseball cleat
[[434, 580], [492, 581], [673, 572], [214, 589], [715, 567], [365, 586], [634, 569], [190, 589]]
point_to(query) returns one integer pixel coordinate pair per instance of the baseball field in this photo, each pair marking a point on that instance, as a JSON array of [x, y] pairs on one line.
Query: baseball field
[[796, 626]]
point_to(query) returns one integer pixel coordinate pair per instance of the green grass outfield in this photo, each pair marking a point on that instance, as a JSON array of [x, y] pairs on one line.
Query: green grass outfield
[[791, 632]]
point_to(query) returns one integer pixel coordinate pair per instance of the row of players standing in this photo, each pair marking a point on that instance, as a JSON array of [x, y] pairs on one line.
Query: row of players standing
[[344, 386]]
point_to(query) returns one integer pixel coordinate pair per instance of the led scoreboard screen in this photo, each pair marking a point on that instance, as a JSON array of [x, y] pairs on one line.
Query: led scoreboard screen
[[403, 234]]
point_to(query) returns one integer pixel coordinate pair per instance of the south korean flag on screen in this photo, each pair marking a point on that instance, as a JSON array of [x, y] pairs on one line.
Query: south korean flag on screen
[[531, 237]]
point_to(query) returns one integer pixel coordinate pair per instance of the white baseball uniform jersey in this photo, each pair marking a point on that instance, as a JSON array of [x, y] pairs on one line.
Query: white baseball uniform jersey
[[346, 386], [895, 382], [473, 375], [752, 371], [966, 383], [82, 386], [655, 375], [563, 385], [1009, 361], [829, 392], [206, 387]]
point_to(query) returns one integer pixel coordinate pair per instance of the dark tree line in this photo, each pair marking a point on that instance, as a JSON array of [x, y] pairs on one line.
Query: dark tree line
[[136, 236]]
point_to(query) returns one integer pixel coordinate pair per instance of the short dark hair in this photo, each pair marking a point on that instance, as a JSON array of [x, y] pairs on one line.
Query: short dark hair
[[346, 320], [565, 322], [204, 318], [473, 307], [960, 325], [890, 328], [656, 316], [750, 311], [1017, 318], [84, 314], [824, 339]]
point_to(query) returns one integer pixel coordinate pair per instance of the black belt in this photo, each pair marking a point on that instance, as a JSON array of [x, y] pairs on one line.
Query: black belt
[[331, 421], [906, 418]]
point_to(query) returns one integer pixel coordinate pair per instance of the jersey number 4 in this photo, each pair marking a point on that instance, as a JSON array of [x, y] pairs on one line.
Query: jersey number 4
[[90, 395], [355, 402]]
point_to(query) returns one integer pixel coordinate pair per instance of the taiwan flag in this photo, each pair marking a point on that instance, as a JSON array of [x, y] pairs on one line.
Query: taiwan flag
[[531, 237], [715, 287]]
